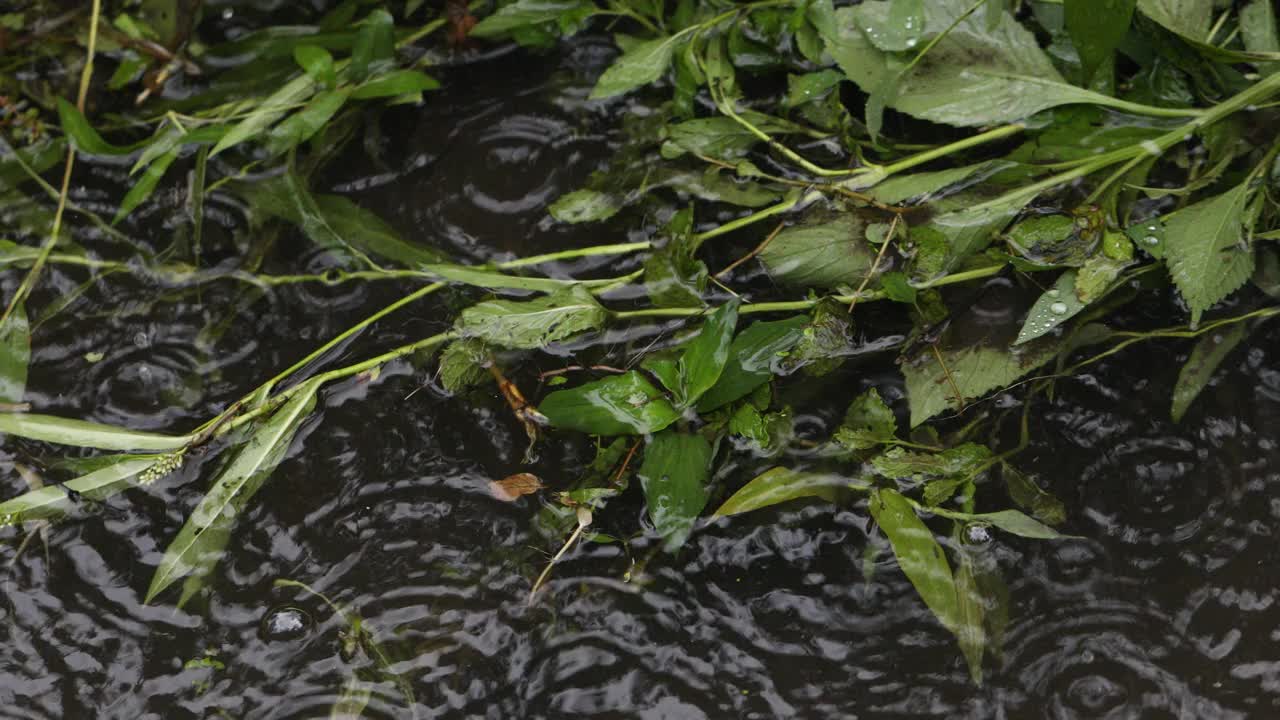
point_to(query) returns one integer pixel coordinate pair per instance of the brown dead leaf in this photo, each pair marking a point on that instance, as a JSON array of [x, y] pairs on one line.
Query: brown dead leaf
[[515, 486]]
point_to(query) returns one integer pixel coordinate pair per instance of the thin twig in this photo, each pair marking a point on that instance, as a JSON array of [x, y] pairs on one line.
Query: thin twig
[[888, 238], [758, 249]]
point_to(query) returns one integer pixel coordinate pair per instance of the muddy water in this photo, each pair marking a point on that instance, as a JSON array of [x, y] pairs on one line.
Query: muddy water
[[1165, 606]]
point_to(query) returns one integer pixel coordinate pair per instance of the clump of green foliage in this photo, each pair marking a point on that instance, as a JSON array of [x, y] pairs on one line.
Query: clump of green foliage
[[1095, 150]]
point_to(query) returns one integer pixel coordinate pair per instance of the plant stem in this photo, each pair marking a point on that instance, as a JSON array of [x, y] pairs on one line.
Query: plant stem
[[755, 217]]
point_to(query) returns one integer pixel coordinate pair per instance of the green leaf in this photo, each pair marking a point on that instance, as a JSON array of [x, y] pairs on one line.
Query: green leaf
[[1259, 31], [720, 137], [1205, 249], [704, 358], [302, 125], [81, 433], [317, 62], [1096, 28], [1054, 307], [15, 355], [374, 46], [822, 253], [970, 230], [1030, 497], [961, 461], [810, 87], [674, 276], [462, 364], [867, 423], [827, 340], [582, 206], [978, 74], [901, 28], [641, 64], [1206, 356], [1011, 521], [396, 82], [84, 137], [975, 370], [752, 357], [536, 323], [626, 404], [271, 109], [145, 185], [780, 484], [524, 13], [53, 500], [919, 555], [970, 634], [204, 537], [1189, 18], [674, 476]]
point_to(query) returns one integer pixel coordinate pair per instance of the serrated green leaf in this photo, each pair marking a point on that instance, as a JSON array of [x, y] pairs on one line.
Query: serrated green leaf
[[1189, 18], [462, 364], [753, 355], [1205, 249], [867, 423], [640, 65], [780, 484], [1206, 356], [626, 404], [826, 341], [203, 538], [81, 433], [900, 28], [524, 13], [960, 461], [674, 476], [975, 370], [15, 355], [825, 253], [536, 323]]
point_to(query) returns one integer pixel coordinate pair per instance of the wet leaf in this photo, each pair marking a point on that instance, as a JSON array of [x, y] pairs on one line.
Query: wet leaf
[[826, 342], [919, 555], [396, 82], [374, 47], [317, 62], [145, 185], [203, 538], [302, 125], [1054, 307], [780, 484], [582, 206], [867, 423], [674, 276], [968, 231], [971, 633], [824, 254], [1206, 356], [1011, 521], [900, 28], [367, 232], [536, 323], [462, 364], [1205, 249], [1030, 497], [674, 476], [54, 500], [1096, 28], [641, 64], [753, 355], [84, 137], [81, 433], [513, 487], [961, 461], [975, 371], [271, 109], [1258, 29], [978, 74], [705, 356], [524, 13], [15, 355], [810, 87], [1189, 18], [352, 701], [720, 137], [626, 404]]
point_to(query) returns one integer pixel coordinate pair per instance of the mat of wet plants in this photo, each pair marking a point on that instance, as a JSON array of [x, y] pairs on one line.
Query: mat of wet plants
[[385, 568]]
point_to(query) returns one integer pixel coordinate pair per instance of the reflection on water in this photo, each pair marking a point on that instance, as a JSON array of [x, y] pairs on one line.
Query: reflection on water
[[1165, 606]]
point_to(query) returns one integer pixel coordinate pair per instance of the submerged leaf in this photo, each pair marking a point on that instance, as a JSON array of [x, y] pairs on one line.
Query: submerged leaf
[[919, 555], [15, 355], [582, 206], [974, 370], [780, 484], [53, 500], [867, 423], [626, 404], [204, 537], [674, 476], [462, 364], [513, 487], [1206, 356], [532, 323], [753, 355], [641, 64], [824, 254]]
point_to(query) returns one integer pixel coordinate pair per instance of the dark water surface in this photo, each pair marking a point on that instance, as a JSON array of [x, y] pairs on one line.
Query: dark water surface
[[1164, 607]]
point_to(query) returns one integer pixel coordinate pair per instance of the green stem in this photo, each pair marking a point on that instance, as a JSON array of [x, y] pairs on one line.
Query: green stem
[[755, 217], [875, 176]]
